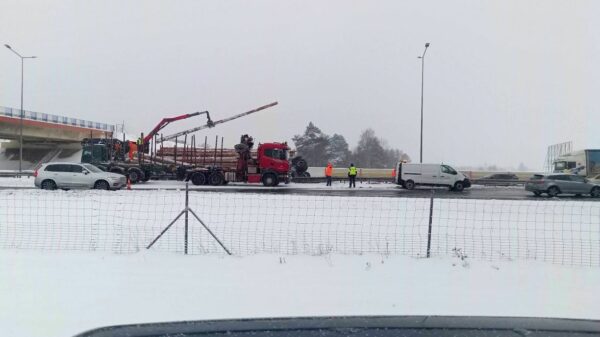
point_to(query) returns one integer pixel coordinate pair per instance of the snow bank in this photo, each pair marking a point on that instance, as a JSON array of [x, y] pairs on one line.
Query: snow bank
[[127, 221], [62, 294]]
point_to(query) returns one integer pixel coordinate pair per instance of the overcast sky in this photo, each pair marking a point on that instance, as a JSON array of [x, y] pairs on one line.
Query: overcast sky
[[503, 79]]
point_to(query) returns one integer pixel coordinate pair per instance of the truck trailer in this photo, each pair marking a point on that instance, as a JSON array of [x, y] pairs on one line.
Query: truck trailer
[[583, 162]]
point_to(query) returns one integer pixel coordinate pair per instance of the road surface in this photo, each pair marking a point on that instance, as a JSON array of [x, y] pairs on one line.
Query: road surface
[[339, 189]]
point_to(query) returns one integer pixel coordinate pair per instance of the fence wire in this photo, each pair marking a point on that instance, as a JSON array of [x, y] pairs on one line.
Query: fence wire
[[127, 221]]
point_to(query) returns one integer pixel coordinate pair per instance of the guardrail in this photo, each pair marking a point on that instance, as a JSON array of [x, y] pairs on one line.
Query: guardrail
[[49, 118], [486, 182]]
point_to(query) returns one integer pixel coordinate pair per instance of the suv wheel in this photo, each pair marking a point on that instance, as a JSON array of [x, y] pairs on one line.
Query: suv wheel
[[553, 191], [595, 193], [101, 185], [48, 185], [409, 185]]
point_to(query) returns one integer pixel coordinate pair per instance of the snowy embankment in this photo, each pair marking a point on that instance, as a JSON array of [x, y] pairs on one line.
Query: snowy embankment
[[61, 294]]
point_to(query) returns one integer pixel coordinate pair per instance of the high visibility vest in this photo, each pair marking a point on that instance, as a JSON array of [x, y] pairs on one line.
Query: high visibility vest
[[328, 171], [352, 170]]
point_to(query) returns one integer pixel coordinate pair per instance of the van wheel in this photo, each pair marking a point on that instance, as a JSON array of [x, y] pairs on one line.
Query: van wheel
[[459, 186], [595, 193], [553, 191], [409, 185], [101, 185], [48, 185]]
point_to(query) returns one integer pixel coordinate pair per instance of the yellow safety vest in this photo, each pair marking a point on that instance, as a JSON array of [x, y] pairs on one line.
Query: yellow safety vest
[[352, 170]]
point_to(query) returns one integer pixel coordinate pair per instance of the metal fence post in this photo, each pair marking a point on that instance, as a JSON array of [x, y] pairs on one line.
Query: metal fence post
[[430, 222], [187, 209]]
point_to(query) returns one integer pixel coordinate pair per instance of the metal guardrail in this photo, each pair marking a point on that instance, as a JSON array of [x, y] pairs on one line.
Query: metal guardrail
[[486, 182], [49, 118]]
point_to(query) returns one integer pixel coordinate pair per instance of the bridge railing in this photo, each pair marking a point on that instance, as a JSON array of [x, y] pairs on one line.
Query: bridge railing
[[49, 118]]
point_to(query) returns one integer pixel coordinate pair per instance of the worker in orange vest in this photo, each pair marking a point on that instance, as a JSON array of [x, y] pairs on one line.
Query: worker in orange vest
[[328, 172]]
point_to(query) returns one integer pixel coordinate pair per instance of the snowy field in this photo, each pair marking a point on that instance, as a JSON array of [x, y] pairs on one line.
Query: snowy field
[[560, 232], [61, 294]]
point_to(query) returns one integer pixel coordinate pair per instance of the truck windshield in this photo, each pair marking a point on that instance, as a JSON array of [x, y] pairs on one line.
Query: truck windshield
[[276, 153], [560, 166]]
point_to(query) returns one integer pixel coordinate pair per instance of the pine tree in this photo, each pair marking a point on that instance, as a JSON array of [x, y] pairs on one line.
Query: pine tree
[[312, 145]]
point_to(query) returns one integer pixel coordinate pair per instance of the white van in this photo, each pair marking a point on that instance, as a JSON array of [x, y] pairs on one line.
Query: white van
[[411, 175]]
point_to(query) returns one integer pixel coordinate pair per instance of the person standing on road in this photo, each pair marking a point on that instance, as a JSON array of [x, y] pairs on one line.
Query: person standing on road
[[352, 175], [328, 172]]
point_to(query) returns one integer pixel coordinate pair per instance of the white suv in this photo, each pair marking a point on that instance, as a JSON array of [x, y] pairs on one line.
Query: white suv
[[51, 176]]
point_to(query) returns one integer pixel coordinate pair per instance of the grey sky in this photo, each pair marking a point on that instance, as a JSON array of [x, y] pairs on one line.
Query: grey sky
[[504, 79]]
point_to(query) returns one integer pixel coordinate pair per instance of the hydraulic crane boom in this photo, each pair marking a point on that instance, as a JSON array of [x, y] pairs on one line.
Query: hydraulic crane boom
[[165, 121], [210, 123]]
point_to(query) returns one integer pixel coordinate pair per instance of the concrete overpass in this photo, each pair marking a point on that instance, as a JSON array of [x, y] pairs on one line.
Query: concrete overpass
[[46, 137], [46, 128]]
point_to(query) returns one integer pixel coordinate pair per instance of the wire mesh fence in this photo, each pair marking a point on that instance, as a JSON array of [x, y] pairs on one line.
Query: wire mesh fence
[[560, 232]]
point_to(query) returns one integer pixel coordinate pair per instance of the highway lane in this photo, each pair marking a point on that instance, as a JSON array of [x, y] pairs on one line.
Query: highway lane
[[366, 190]]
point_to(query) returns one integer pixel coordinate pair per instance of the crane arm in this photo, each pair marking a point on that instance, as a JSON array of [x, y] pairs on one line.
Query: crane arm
[[211, 124], [166, 121]]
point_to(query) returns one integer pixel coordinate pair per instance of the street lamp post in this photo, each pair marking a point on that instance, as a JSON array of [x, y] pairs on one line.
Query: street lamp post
[[422, 57], [22, 113]]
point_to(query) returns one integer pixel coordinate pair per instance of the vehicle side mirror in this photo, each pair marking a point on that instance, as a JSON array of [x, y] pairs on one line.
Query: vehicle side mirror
[[86, 172]]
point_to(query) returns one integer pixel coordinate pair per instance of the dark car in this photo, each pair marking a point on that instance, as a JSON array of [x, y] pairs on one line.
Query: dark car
[[499, 179]]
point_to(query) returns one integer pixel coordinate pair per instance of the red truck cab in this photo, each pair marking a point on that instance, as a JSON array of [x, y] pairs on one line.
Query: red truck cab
[[271, 165]]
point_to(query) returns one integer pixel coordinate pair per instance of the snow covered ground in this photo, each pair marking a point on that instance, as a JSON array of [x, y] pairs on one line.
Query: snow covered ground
[[60, 294], [561, 232]]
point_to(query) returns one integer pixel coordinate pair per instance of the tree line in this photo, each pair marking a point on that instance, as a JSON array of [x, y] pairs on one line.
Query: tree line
[[319, 149]]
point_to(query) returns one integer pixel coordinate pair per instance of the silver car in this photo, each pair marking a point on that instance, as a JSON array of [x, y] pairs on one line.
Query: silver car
[[51, 176], [555, 184]]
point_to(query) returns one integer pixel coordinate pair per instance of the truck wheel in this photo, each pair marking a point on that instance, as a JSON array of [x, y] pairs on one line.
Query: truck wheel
[[198, 178], [409, 185], [135, 175], [270, 179], [48, 185], [553, 191], [101, 185], [216, 179], [595, 193], [301, 165], [459, 186]]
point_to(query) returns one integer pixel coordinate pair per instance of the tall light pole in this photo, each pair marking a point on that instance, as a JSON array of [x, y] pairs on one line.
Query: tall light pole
[[422, 57], [22, 113]]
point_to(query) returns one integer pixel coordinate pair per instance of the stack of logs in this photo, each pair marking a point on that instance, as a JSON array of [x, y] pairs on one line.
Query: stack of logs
[[226, 158]]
